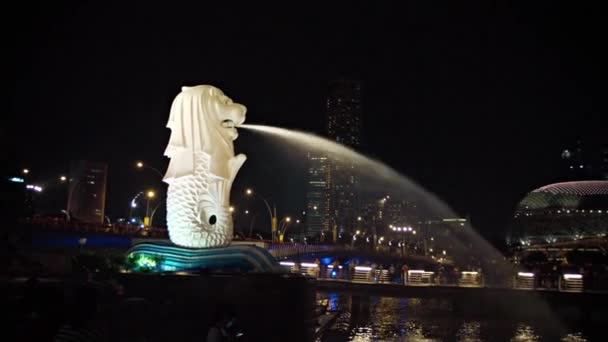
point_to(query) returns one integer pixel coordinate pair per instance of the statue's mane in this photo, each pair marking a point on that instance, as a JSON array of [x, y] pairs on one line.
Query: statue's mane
[[195, 128]]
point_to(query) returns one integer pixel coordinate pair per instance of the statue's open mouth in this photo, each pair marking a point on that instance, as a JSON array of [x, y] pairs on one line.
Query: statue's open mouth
[[228, 123]]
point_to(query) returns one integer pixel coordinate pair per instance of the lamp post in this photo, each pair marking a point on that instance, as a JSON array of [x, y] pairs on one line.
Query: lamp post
[[141, 165], [150, 195], [133, 204], [283, 227], [271, 212], [404, 231]]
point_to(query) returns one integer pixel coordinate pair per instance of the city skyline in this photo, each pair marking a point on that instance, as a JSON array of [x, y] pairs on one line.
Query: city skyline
[[475, 104]]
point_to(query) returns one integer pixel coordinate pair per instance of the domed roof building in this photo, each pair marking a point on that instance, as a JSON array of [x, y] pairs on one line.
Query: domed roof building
[[562, 212]]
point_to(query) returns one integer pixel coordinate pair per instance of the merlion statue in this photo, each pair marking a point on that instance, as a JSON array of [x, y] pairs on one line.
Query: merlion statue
[[202, 166]]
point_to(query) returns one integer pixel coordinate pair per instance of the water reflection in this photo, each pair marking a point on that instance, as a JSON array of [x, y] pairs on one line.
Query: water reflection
[[366, 318]]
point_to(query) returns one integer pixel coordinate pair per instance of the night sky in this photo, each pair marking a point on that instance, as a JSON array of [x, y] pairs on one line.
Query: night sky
[[474, 102]]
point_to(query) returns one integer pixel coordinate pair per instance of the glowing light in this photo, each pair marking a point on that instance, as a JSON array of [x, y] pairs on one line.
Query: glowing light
[[287, 263], [16, 180], [231, 209], [315, 207], [288, 219], [26, 171], [34, 187], [297, 221], [414, 232], [525, 274], [145, 261], [63, 178], [133, 205], [363, 268], [573, 276], [308, 264], [358, 232], [470, 272], [359, 218], [443, 252], [151, 194], [246, 211]]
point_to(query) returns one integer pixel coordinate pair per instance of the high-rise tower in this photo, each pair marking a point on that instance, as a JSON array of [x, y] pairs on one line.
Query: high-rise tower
[[344, 120]]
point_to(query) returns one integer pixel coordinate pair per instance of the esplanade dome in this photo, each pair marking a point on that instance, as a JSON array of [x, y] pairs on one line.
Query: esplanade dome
[[562, 211]]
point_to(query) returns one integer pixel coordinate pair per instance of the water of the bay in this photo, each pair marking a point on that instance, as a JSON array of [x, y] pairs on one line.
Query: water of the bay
[[376, 318]]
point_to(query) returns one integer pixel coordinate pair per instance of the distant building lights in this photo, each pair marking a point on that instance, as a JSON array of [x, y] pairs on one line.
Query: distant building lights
[[287, 263], [308, 264], [16, 180], [573, 276]]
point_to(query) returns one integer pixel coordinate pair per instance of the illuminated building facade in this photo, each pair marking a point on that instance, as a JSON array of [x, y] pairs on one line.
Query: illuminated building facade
[[317, 199], [561, 212], [344, 120]]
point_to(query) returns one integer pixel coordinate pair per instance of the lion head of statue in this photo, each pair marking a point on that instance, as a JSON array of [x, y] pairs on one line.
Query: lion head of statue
[[203, 119]]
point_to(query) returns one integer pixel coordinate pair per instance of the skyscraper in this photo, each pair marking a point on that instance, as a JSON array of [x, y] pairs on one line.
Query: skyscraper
[[87, 191], [317, 204], [344, 119]]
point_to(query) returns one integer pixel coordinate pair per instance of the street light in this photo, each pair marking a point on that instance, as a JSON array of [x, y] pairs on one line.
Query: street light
[[141, 165], [133, 204], [272, 213], [231, 209], [26, 171], [150, 195], [283, 227], [63, 178]]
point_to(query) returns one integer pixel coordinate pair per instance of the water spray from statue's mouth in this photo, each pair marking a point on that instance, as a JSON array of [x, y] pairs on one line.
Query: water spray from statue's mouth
[[228, 124]]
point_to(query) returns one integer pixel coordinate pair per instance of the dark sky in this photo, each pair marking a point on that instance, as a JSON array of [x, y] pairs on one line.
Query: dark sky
[[474, 102]]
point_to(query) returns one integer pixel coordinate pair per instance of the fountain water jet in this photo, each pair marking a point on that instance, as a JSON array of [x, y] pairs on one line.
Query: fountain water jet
[[379, 175]]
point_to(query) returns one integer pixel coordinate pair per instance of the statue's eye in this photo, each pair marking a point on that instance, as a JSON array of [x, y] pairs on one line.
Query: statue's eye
[[212, 219]]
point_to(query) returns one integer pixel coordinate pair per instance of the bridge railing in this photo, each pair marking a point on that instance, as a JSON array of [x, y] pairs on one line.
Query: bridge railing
[[369, 275]]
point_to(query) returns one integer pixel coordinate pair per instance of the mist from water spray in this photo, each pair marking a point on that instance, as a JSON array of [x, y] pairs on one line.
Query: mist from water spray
[[379, 172]]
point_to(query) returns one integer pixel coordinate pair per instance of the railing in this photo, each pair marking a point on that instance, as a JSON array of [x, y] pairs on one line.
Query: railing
[[419, 277], [369, 275], [524, 280], [61, 225], [571, 283]]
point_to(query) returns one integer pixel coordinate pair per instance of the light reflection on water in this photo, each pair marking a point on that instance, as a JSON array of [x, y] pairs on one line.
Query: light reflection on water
[[422, 320]]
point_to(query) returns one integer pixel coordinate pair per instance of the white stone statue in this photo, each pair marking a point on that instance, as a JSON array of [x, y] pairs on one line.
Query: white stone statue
[[202, 166]]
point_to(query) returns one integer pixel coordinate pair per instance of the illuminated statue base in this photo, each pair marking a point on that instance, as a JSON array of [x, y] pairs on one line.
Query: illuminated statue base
[[165, 257]]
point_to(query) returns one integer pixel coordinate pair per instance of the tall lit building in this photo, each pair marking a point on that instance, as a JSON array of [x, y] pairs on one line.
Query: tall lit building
[[344, 120], [87, 191], [317, 200]]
